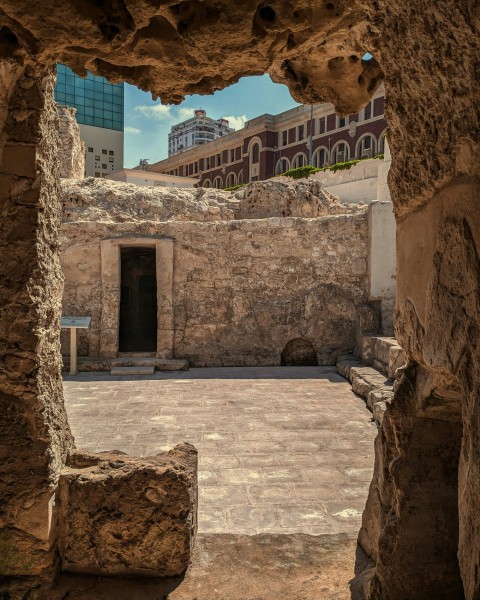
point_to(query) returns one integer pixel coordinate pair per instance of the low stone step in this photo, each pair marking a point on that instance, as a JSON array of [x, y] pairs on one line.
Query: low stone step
[[368, 383], [160, 364], [383, 353], [107, 364], [132, 370]]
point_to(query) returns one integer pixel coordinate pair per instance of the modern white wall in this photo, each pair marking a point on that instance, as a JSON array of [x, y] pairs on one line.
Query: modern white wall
[[357, 184], [151, 179], [382, 260], [100, 139]]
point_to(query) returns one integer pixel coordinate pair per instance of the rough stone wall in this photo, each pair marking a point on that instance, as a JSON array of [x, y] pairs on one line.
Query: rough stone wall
[[434, 184], [71, 149], [288, 198], [94, 199], [241, 289], [34, 433]]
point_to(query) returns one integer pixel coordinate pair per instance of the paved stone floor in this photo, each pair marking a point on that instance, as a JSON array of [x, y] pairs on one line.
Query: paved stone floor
[[282, 449]]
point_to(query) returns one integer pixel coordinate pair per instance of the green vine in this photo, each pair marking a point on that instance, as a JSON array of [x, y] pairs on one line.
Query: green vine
[[302, 172], [307, 170]]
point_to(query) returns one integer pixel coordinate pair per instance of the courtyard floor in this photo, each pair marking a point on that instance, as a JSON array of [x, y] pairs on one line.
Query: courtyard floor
[[281, 449]]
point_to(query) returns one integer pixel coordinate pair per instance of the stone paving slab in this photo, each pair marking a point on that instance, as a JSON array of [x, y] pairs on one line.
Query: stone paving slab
[[281, 449]]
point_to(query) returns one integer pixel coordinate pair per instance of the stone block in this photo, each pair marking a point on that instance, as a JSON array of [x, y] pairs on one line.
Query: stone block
[[126, 516], [379, 409], [20, 160], [396, 359]]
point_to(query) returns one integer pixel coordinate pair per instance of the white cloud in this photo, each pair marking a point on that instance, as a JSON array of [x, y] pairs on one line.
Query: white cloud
[[159, 112], [236, 122], [176, 114], [133, 130], [183, 113]]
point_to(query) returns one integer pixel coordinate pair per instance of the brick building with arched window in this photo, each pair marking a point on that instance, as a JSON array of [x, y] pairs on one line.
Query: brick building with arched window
[[271, 144]]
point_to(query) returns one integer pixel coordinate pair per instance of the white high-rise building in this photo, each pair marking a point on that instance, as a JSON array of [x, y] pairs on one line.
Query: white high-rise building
[[196, 131]]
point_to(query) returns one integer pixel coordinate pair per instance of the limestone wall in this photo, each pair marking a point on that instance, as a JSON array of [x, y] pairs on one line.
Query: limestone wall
[[241, 289], [71, 149]]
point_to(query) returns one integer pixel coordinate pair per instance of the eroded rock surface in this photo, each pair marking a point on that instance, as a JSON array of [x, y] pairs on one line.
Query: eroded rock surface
[[101, 200], [308, 199], [125, 516], [71, 149], [315, 47]]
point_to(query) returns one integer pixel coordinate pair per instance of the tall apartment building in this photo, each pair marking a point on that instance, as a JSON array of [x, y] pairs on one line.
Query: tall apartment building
[[196, 131], [100, 107], [271, 144]]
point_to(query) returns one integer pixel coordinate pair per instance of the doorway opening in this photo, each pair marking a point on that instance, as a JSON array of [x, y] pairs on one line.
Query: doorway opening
[[138, 300]]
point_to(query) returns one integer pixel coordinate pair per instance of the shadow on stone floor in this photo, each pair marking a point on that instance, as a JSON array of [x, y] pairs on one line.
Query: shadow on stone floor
[[327, 373], [240, 567]]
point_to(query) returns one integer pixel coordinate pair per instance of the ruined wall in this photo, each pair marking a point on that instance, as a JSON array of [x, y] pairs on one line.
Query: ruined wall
[[241, 289], [34, 433], [423, 505], [71, 149]]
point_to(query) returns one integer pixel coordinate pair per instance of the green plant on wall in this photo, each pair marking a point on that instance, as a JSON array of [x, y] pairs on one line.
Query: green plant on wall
[[307, 170], [302, 172]]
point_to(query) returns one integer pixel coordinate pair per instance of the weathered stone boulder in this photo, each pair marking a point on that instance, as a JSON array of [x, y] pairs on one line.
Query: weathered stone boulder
[[309, 199], [128, 516], [71, 149], [104, 201]]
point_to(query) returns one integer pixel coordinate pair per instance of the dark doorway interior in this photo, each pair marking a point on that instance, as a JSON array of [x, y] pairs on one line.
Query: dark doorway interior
[[138, 300], [299, 353]]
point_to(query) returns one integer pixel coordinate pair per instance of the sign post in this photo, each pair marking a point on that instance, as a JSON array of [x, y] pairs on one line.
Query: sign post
[[74, 323]]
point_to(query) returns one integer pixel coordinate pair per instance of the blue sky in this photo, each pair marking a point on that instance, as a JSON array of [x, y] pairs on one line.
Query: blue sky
[[148, 123]]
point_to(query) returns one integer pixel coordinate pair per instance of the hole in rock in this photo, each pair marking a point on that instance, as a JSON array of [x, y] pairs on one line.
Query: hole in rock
[[267, 13]]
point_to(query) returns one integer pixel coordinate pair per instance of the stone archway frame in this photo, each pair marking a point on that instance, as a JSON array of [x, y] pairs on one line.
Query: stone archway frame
[[110, 269]]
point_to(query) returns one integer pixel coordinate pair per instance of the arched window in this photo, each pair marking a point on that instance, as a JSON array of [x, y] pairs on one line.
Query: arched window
[[240, 178], [282, 165], [320, 158], [230, 180], [340, 152], [381, 142], [255, 154], [366, 146], [207, 183], [218, 183], [299, 160]]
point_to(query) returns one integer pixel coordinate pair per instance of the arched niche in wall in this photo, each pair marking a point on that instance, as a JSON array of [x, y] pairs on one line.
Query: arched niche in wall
[[299, 353]]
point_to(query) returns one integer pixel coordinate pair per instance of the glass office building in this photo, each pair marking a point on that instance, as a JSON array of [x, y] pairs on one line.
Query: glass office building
[[98, 102], [99, 113]]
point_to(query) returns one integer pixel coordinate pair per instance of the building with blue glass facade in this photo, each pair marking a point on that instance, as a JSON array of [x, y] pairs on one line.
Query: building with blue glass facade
[[100, 115]]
